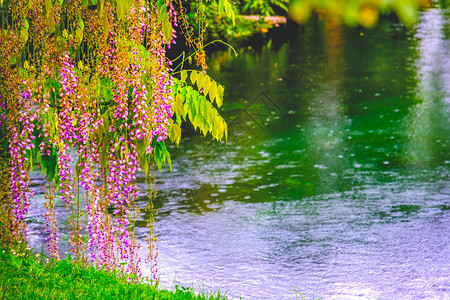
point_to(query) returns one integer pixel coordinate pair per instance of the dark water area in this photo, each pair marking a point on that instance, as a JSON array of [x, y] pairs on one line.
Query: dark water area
[[335, 180]]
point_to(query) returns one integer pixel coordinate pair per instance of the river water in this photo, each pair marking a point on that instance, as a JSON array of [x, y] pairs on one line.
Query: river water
[[335, 180]]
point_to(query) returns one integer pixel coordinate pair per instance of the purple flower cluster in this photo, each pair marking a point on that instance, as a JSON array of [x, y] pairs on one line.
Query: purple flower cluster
[[172, 13], [108, 158], [139, 129], [162, 99], [21, 141], [138, 20], [122, 190], [96, 228], [67, 127], [2, 112]]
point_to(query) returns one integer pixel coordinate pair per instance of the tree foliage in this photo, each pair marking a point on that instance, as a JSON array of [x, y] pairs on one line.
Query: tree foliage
[[356, 12]]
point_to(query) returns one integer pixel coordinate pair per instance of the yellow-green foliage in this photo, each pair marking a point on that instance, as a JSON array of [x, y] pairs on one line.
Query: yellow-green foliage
[[197, 105], [354, 12]]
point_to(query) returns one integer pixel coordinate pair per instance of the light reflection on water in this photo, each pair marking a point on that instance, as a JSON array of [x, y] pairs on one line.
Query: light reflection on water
[[343, 192]]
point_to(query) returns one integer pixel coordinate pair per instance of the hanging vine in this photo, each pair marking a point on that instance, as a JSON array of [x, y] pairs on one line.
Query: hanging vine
[[87, 94]]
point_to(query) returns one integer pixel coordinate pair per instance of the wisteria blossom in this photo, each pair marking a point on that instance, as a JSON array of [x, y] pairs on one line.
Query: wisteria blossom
[[90, 101]]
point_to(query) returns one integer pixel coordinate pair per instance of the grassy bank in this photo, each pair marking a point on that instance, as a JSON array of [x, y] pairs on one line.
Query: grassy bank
[[27, 275]]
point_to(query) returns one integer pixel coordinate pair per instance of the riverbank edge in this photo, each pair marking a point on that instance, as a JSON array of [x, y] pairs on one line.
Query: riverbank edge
[[26, 274]]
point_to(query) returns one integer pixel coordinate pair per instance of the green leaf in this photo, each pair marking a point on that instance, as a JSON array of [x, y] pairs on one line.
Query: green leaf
[[183, 75], [206, 86], [195, 102], [142, 51], [78, 169], [197, 121], [219, 99], [219, 129], [208, 112], [213, 91], [178, 105], [26, 25], [162, 155], [160, 4], [202, 106], [221, 2], [166, 24], [194, 76], [105, 119], [100, 9], [49, 165], [48, 7], [23, 35], [146, 167], [167, 30], [201, 81], [185, 109], [141, 147], [120, 10], [79, 35], [143, 157], [81, 23], [104, 154], [225, 8], [174, 133]]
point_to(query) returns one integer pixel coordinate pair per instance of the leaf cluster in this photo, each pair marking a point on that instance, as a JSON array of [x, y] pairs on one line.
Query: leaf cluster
[[356, 12], [197, 105], [266, 8]]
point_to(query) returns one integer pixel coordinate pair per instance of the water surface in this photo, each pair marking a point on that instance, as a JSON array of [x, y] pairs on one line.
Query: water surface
[[335, 178]]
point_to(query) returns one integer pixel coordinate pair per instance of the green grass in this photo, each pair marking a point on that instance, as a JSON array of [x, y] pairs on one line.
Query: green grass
[[27, 275]]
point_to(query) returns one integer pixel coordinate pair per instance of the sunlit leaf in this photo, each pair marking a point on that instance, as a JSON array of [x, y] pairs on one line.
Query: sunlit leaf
[[81, 24], [213, 91], [194, 76], [200, 81], [206, 85], [167, 26], [48, 8], [179, 105], [219, 98], [26, 25], [183, 75]]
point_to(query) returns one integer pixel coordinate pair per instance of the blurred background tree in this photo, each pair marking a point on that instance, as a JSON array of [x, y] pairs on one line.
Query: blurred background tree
[[254, 18], [357, 12]]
